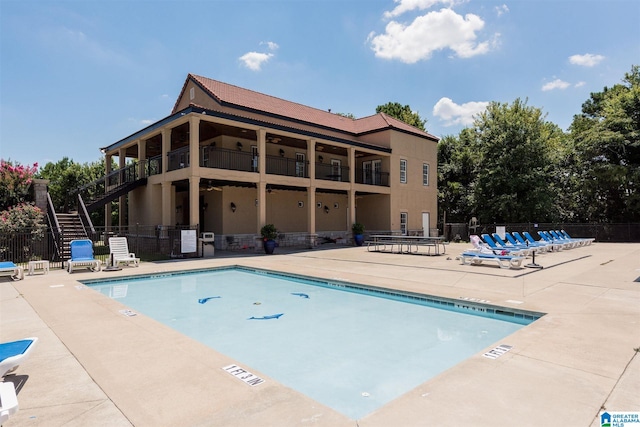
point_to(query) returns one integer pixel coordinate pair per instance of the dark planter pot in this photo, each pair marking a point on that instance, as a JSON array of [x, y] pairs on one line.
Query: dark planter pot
[[269, 246], [358, 239]]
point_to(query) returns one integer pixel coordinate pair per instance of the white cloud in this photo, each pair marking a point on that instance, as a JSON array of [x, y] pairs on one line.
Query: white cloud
[[409, 5], [453, 114], [431, 32], [556, 84], [500, 10], [271, 45], [586, 60], [580, 84], [254, 60]]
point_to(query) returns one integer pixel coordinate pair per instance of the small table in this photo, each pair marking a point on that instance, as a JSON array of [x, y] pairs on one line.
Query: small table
[[38, 265]]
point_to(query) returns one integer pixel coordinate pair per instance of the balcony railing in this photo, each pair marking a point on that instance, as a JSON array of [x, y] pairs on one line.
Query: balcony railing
[[178, 159], [372, 178], [288, 167], [154, 165], [221, 158], [332, 172]]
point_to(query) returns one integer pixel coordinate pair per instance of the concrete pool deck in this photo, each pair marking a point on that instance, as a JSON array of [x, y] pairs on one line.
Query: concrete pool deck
[[94, 366]]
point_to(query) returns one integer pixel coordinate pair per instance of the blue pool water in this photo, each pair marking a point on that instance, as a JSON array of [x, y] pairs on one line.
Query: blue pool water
[[352, 351]]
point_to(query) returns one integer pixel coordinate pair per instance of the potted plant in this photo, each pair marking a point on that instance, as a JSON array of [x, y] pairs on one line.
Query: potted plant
[[358, 233], [269, 234]]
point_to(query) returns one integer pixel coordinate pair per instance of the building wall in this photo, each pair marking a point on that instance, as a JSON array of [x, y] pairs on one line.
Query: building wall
[[413, 197], [373, 211]]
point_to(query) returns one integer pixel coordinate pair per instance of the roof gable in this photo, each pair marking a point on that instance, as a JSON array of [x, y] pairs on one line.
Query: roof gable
[[232, 96]]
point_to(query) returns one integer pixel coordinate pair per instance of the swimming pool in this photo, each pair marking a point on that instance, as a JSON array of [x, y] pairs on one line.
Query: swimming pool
[[351, 347]]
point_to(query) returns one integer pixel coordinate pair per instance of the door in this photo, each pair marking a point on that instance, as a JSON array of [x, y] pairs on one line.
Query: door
[[336, 170], [425, 223], [366, 172], [376, 172], [300, 165]]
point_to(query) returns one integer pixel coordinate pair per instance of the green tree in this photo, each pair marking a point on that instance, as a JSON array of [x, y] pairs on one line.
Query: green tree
[[516, 164], [606, 138], [66, 177], [457, 163], [404, 113]]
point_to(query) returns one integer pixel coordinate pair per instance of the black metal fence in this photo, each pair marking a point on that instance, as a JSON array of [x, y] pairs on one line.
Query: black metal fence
[[629, 232], [150, 243]]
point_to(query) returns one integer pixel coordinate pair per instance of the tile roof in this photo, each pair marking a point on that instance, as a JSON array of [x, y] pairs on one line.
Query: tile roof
[[234, 96]]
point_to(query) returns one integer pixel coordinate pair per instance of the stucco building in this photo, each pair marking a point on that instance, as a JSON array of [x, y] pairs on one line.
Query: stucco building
[[230, 160]]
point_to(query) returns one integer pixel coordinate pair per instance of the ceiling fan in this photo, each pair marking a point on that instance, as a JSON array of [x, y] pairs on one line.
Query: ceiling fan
[[211, 187]]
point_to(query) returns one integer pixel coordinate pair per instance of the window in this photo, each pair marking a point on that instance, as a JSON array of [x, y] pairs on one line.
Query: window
[[403, 223], [425, 174], [403, 171]]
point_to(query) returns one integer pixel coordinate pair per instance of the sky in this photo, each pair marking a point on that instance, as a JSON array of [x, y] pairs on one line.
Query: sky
[[76, 76]]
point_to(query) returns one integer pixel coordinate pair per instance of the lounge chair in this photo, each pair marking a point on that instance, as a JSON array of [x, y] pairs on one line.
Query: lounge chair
[[538, 246], [501, 250], [503, 261], [562, 238], [8, 268], [511, 246], [8, 401], [550, 239], [119, 252], [554, 246], [587, 240], [82, 256], [515, 242], [13, 353]]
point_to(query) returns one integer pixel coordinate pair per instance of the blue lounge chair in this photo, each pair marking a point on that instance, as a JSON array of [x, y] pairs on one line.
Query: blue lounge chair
[[587, 240], [503, 261], [550, 239], [561, 238], [500, 250], [82, 256], [526, 250], [13, 353], [7, 268], [554, 246], [539, 246]]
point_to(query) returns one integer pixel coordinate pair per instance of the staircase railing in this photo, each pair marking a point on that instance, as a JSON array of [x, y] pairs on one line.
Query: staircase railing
[[84, 216], [116, 179], [54, 226]]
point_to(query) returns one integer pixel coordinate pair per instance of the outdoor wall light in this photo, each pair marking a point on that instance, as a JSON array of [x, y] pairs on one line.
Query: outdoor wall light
[[326, 209], [281, 152], [178, 208], [233, 207], [300, 204], [239, 145], [320, 159], [205, 206]]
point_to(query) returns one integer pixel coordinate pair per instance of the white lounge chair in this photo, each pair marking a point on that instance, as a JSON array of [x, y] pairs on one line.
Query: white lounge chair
[[119, 252], [82, 256], [8, 401], [8, 268], [13, 353], [503, 261]]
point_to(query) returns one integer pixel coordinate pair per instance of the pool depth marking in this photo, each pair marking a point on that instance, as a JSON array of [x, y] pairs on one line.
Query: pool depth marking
[[498, 351], [243, 375]]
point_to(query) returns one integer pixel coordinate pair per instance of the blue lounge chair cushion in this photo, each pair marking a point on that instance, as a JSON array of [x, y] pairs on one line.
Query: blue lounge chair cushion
[[13, 348]]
